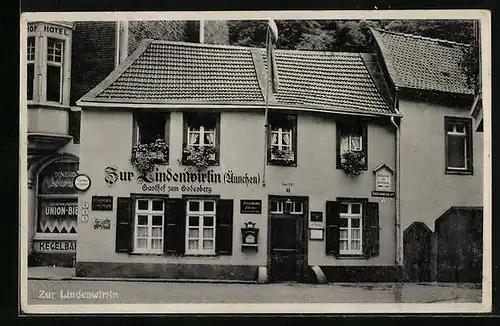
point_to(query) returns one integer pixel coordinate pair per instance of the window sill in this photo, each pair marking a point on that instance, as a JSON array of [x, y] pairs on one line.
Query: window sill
[[458, 172], [282, 163], [351, 256], [145, 254]]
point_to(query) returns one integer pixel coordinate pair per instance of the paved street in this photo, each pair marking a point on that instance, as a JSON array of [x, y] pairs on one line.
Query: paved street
[[106, 292]]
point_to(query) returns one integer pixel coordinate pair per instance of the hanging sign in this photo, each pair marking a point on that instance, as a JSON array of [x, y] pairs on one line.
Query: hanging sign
[[383, 182], [102, 203], [81, 182]]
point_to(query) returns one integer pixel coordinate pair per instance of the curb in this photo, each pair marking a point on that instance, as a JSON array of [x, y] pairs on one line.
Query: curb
[[123, 279]]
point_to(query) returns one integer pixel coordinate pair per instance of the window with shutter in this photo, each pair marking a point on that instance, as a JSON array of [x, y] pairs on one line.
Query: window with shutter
[[124, 224], [224, 229], [175, 225]]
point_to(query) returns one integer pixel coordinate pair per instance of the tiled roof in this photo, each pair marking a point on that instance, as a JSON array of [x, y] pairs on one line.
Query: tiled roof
[[423, 63], [191, 73]]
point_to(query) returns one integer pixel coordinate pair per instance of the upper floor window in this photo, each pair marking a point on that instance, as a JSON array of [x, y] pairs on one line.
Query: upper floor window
[[30, 61], [55, 51], [283, 139], [151, 138], [201, 139], [352, 141], [458, 145]]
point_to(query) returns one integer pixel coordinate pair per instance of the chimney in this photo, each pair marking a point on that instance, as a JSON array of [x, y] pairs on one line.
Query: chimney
[[122, 41], [202, 31], [214, 32]]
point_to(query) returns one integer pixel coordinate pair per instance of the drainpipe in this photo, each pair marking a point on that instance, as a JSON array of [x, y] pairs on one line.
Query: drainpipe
[[399, 242], [202, 31]]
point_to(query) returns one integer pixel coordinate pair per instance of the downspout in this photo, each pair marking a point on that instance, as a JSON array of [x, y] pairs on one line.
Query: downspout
[[398, 242]]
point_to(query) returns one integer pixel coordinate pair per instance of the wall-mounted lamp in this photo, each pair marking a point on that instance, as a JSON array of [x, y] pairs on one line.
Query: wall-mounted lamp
[[288, 206]]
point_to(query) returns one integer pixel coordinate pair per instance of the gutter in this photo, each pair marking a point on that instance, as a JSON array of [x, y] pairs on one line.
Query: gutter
[[398, 235]]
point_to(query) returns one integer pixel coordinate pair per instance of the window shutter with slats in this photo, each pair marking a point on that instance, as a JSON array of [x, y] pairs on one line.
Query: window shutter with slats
[[224, 227], [175, 227], [332, 228], [371, 234], [124, 224]]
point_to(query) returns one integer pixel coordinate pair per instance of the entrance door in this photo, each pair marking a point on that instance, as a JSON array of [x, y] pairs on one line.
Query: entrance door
[[287, 250]]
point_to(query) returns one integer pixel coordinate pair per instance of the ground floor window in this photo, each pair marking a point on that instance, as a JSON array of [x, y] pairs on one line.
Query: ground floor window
[[350, 228], [174, 226], [57, 199], [149, 219], [200, 235]]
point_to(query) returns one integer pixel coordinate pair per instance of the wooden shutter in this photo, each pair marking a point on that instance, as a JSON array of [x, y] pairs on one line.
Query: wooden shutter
[[175, 227], [338, 128], [371, 234], [124, 222], [364, 140], [224, 227], [332, 228]]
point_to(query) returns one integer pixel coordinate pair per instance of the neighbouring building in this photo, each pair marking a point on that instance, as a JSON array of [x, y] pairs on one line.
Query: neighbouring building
[[64, 60], [441, 146]]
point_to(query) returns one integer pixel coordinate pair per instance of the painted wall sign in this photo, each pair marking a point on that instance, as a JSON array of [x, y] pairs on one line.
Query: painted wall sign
[[250, 206], [54, 246], [48, 29], [172, 181], [102, 203], [82, 182], [58, 178], [57, 215], [102, 224]]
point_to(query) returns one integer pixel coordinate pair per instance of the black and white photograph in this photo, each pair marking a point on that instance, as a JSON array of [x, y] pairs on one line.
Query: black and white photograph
[[256, 162]]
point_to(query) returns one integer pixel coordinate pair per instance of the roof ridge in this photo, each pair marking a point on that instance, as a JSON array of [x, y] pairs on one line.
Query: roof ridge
[[421, 37], [241, 47]]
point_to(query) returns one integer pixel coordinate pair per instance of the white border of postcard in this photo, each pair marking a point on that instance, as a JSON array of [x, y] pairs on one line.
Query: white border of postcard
[[485, 306]]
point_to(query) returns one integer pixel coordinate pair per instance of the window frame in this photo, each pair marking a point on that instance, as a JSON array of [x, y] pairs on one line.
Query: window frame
[[150, 213], [166, 137], [276, 120], [54, 63], [31, 62], [349, 216], [201, 214], [468, 151], [216, 131], [351, 128]]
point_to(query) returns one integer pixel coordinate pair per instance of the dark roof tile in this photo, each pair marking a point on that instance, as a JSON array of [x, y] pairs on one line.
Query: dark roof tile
[[423, 63], [172, 72]]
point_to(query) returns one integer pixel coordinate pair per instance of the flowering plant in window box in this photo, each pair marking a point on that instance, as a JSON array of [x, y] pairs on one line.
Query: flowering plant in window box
[[353, 162], [146, 156], [200, 156], [282, 155]]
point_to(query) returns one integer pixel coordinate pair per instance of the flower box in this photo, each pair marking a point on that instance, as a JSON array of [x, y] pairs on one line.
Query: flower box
[[284, 156], [146, 156], [199, 156]]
